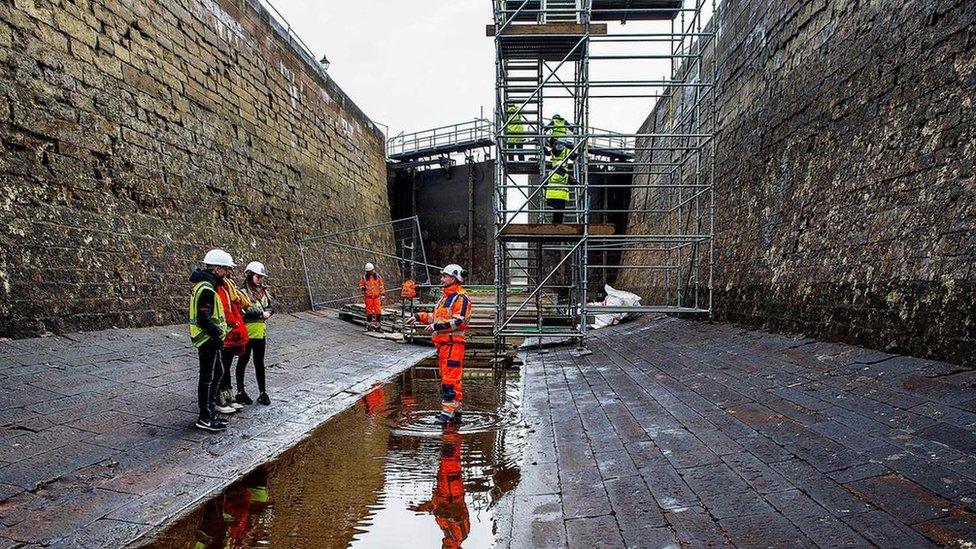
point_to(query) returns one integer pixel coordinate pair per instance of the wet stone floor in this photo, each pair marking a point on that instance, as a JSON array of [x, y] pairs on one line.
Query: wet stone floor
[[380, 474]]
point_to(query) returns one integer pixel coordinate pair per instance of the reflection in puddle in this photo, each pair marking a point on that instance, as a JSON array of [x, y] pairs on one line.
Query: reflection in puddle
[[380, 474]]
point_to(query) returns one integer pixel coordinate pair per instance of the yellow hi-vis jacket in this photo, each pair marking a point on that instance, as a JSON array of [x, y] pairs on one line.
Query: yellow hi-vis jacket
[[558, 128], [556, 187], [197, 336], [514, 125]]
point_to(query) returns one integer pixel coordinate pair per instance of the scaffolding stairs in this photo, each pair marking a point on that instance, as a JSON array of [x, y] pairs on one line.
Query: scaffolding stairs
[[523, 150]]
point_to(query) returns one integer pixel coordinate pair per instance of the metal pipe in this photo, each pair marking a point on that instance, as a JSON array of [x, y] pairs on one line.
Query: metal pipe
[[364, 227]]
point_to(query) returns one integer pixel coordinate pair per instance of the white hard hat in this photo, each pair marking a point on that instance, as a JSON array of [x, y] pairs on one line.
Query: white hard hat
[[257, 268], [454, 270], [369, 267], [218, 258]]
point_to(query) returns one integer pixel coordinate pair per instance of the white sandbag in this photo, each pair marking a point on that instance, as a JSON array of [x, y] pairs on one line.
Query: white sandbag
[[615, 298]]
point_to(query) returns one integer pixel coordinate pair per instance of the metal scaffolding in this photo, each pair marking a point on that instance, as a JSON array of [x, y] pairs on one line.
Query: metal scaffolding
[[551, 57]]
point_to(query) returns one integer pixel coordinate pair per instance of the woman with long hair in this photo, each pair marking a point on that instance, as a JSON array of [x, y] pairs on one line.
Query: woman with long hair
[[255, 320]]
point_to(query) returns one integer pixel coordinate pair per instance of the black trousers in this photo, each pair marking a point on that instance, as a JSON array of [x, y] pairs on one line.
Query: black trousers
[[557, 206], [516, 151], [227, 359], [209, 354], [255, 347]]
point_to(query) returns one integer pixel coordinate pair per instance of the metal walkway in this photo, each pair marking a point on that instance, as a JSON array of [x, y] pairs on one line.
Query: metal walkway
[[443, 140], [407, 149]]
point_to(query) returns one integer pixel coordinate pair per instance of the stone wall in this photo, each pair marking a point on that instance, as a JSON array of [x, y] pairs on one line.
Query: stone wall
[[136, 134], [844, 184], [439, 198]]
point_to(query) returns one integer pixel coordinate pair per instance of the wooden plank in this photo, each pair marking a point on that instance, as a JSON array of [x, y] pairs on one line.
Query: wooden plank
[[547, 29], [549, 229]]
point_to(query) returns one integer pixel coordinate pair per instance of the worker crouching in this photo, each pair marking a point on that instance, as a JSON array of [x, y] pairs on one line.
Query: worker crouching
[[448, 324]]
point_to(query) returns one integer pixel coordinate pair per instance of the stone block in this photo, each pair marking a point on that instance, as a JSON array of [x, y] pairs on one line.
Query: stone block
[[600, 531], [538, 522]]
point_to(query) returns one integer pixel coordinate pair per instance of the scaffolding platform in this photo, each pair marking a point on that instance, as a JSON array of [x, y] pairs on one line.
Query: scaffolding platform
[[547, 41], [523, 167], [444, 149], [549, 231], [604, 10], [634, 10]]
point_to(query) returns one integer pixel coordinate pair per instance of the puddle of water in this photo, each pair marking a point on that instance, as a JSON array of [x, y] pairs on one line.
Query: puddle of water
[[380, 474]]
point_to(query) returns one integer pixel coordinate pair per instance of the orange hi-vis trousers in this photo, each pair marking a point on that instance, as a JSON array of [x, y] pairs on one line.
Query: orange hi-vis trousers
[[450, 361], [373, 306], [450, 509]]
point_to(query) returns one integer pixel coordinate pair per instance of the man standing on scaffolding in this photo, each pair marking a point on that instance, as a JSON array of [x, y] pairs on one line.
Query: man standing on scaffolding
[[557, 187], [447, 324], [514, 127], [371, 285], [557, 128]]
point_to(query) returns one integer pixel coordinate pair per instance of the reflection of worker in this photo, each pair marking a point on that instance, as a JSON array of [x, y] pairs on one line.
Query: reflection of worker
[[374, 400], [371, 285], [447, 502], [236, 519], [448, 323], [239, 508]]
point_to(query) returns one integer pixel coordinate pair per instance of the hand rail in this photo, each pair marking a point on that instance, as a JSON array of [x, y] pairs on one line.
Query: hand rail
[[441, 136], [480, 129]]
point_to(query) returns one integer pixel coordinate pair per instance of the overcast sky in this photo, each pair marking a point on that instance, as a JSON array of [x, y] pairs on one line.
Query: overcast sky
[[416, 65]]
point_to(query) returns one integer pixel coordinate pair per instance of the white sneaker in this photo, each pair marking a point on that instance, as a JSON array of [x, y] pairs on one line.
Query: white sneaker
[[235, 405], [225, 409]]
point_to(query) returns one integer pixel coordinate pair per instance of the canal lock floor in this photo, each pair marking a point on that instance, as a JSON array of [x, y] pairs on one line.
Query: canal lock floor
[[378, 474]]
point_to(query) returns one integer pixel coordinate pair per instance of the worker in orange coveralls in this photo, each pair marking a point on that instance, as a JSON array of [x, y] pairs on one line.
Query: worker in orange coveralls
[[371, 285], [408, 292], [447, 503], [448, 323]]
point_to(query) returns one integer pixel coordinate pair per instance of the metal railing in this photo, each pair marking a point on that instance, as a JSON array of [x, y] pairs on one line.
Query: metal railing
[[442, 137], [611, 141], [481, 132]]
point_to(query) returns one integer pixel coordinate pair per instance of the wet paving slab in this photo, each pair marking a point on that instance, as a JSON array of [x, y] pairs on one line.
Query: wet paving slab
[[380, 474], [675, 433], [672, 433], [96, 440]]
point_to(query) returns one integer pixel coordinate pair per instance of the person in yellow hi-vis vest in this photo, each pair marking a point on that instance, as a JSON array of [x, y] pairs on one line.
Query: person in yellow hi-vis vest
[[557, 128], [255, 321], [514, 127], [557, 187], [208, 327]]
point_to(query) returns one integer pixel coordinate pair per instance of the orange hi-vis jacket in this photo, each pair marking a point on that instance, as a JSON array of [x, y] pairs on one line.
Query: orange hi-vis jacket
[[450, 317], [372, 285], [409, 289], [450, 509]]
